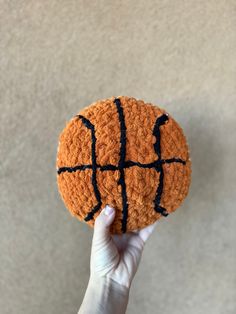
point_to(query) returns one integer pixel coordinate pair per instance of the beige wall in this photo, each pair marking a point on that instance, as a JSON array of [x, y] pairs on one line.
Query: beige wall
[[59, 56]]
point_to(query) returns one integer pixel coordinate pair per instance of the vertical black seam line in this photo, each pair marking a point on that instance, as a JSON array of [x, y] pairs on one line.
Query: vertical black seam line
[[157, 146], [156, 132], [121, 164], [90, 126]]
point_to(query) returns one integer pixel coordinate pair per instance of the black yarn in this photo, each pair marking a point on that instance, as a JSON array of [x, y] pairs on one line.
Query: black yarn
[[127, 164], [90, 126], [108, 167], [122, 164], [73, 169], [157, 165], [168, 161], [157, 146], [156, 132]]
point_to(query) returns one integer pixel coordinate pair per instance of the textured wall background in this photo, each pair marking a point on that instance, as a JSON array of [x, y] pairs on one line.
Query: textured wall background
[[59, 56]]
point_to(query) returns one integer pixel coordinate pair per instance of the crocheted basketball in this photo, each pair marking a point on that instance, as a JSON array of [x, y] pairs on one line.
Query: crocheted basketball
[[126, 153]]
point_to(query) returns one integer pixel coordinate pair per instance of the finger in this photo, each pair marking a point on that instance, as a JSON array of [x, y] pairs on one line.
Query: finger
[[147, 231], [102, 225], [104, 254]]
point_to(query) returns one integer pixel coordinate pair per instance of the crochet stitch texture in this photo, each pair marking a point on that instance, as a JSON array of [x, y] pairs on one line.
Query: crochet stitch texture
[[126, 153]]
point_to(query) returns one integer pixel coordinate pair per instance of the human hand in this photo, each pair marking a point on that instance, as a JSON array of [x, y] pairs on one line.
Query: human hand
[[116, 256]]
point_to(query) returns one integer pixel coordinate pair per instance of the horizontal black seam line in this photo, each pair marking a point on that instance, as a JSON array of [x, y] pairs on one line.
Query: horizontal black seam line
[[122, 164], [73, 169], [128, 164], [90, 126], [157, 147]]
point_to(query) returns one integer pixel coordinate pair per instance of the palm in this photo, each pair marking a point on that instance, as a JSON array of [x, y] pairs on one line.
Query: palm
[[128, 248], [117, 256]]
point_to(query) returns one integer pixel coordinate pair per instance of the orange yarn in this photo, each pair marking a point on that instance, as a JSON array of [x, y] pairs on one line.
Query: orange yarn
[[140, 195]]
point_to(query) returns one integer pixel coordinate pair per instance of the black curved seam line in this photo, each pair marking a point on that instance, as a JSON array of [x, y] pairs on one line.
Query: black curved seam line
[[128, 164], [122, 164], [90, 126], [157, 146]]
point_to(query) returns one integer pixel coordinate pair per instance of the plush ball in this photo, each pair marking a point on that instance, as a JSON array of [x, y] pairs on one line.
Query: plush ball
[[126, 153]]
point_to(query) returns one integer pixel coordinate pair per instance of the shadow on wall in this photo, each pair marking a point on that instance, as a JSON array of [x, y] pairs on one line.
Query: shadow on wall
[[200, 126]]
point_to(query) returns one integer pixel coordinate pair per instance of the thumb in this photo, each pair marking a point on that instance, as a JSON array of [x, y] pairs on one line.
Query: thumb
[[104, 253], [102, 224]]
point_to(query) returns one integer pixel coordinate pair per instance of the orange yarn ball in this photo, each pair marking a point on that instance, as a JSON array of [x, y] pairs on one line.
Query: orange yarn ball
[[128, 154]]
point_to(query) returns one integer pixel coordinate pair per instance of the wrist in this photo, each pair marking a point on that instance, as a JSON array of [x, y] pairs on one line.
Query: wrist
[[104, 295], [107, 284]]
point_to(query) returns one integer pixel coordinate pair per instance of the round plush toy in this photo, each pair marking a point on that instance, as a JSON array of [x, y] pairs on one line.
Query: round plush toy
[[126, 153]]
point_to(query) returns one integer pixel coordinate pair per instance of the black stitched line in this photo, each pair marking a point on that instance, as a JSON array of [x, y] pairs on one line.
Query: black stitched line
[[157, 146], [90, 126], [122, 163], [73, 169], [168, 161], [127, 164], [156, 132]]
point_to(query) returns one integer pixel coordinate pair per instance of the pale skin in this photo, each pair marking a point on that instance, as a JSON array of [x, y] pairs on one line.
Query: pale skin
[[113, 264]]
